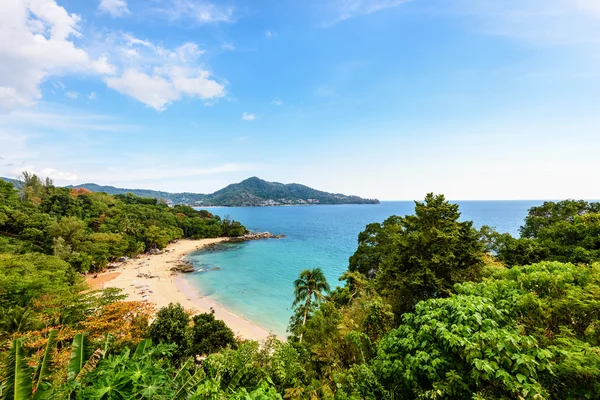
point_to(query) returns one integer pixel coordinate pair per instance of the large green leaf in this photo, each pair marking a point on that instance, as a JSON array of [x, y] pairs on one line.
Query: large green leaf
[[42, 387], [77, 356], [17, 374], [142, 347]]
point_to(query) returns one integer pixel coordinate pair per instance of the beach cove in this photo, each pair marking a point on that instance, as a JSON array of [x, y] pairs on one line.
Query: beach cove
[[167, 287]]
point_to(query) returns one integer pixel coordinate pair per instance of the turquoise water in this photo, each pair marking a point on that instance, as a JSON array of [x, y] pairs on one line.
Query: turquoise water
[[255, 279]]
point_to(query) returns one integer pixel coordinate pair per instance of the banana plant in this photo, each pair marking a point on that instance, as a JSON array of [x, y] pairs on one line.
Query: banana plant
[[17, 374], [18, 383], [42, 387]]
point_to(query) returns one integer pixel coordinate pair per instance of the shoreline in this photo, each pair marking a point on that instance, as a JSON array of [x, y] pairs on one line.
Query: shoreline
[[167, 287]]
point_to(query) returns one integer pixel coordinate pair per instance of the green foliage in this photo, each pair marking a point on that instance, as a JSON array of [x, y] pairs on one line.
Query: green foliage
[[89, 230], [42, 384], [250, 366], [171, 326], [17, 320], [209, 335], [25, 277], [16, 374], [78, 356], [419, 256], [566, 231], [311, 284], [458, 347]]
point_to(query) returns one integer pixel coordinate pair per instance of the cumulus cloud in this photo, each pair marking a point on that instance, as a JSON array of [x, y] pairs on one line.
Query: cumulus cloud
[[41, 39], [116, 8], [248, 117], [73, 95], [158, 76], [37, 41], [92, 96]]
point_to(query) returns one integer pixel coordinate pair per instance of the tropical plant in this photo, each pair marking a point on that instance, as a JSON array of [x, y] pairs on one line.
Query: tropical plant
[[209, 335], [311, 284], [420, 256], [17, 374], [171, 326], [17, 319]]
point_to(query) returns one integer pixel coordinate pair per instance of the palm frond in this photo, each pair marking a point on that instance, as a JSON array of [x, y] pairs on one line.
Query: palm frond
[[17, 374], [77, 356], [43, 370]]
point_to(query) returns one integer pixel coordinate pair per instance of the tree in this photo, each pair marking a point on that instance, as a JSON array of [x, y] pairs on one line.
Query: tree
[[209, 335], [311, 283], [565, 231], [419, 256], [171, 326], [26, 277]]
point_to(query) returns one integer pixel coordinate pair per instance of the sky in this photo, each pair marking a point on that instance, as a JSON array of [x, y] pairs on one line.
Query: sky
[[392, 99]]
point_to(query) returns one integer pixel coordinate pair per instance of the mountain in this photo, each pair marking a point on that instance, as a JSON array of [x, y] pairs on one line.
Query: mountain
[[257, 192], [250, 192], [172, 198], [15, 182]]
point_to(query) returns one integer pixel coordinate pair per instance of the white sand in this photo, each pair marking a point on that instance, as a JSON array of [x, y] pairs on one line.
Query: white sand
[[168, 288]]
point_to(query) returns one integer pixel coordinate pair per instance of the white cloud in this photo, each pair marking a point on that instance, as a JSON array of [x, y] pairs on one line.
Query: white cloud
[[228, 46], [157, 76], [248, 117], [188, 51], [346, 9], [540, 22], [270, 34], [56, 174], [116, 8], [37, 41], [201, 12], [154, 91], [73, 95], [166, 85], [41, 39], [59, 85], [92, 96], [277, 101]]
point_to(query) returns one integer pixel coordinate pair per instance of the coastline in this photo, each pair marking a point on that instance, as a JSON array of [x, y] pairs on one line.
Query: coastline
[[167, 287]]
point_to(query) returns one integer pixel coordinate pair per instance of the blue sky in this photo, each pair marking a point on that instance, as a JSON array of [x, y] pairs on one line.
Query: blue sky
[[382, 98]]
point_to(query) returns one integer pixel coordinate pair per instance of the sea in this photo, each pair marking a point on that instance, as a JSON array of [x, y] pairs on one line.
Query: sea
[[255, 279]]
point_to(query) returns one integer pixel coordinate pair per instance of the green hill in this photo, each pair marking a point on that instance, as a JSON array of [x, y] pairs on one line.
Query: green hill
[[257, 192], [250, 192]]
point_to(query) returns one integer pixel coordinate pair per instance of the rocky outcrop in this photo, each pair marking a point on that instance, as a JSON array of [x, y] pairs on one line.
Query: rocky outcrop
[[255, 236], [183, 268]]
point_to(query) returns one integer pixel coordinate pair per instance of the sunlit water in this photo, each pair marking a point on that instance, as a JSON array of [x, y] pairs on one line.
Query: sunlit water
[[255, 279]]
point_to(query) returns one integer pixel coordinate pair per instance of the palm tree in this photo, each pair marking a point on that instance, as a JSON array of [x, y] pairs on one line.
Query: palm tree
[[311, 283], [17, 319]]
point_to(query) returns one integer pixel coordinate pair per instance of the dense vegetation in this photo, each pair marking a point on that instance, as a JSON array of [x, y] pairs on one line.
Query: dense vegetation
[[431, 308], [88, 230], [250, 192]]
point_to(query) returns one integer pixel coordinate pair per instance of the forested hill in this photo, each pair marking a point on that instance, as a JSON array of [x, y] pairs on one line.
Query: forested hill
[[257, 192], [250, 192]]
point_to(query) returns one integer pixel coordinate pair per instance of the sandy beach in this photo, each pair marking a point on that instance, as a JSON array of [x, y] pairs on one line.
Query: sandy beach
[[165, 287]]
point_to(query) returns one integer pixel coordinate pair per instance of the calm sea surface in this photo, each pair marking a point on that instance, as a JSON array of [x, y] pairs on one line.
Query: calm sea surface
[[255, 279]]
